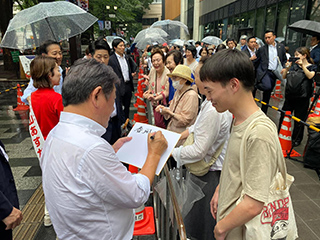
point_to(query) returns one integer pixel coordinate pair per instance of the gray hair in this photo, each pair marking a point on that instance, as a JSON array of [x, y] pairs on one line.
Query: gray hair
[[83, 77]]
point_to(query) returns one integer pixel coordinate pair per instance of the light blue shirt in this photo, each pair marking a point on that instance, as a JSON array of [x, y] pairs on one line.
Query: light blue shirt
[[30, 89], [89, 192], [273, 54]]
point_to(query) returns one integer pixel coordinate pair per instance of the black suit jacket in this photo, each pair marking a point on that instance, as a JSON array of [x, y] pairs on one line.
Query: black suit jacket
[[114, 63], [262, 61], [8, 191], [315, 54]]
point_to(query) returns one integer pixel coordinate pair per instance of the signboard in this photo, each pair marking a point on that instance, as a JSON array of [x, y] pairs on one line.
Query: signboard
[[107, 25], [15, 56], [100, 23], [84, 4], [25, 62]]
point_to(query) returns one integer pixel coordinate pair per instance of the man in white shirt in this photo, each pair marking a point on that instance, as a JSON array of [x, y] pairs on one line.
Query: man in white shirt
[[89, 193], [125, 68]]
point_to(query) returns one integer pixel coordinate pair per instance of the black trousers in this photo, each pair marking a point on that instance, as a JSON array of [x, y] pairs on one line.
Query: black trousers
[[5, 234], [267, 94], [126, 99], [299, 108]]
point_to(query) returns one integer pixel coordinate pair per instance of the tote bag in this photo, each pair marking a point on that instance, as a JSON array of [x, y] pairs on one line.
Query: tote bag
[[276, 220]]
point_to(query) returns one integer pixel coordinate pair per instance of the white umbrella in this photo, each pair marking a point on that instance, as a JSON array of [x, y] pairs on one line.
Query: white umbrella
[[212, 40], [177, 42], [173, 28], [150, 33], [111, 38], [46, 21]]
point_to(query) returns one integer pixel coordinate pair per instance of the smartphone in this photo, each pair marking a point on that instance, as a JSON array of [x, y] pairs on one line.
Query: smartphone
[[293, 59]]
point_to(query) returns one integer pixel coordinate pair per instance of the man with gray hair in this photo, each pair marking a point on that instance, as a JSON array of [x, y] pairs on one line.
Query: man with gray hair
[[89, 192]]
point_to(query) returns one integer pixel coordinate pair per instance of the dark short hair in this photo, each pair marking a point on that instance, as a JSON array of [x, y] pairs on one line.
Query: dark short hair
[[192, 49], [83, 77], [231, 40], [228, 64], [116, 42], [102, 44], [177, 56], [204, 59], [198, 42], [316, 36], [40, 68], [43, 49], [270, 31], [251, 38], [203, 48], [158, 51], [220, 47]]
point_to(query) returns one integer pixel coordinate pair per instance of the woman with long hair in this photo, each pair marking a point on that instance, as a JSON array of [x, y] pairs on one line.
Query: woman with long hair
[[299, 89]]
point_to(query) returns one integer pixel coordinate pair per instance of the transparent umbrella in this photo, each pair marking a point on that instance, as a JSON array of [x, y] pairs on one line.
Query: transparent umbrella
[[46, 21], [111, 38], [150, 33], [212, 40], [177, 42], [259, 42], [150, 41], [173, 28]]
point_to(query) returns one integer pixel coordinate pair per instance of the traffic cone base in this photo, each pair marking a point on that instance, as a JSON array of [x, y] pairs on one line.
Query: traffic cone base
[[285, 137], [144, 222], [21, 106]]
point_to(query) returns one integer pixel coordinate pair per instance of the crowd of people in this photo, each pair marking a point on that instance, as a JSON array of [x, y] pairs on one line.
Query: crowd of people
[[205, 93]]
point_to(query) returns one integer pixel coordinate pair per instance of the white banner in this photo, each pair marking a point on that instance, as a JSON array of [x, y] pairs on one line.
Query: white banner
[[35, 133], [25, 62]]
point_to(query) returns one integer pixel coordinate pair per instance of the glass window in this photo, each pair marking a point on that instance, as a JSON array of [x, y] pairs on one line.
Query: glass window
[[259, 29], [224, 28], [271, 17], [315, 13], [230, 27], [283, 10], [247, 19], [297, 12]]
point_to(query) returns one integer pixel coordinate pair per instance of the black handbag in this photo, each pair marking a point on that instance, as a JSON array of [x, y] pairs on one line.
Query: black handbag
[[311, 156], [298, 85]]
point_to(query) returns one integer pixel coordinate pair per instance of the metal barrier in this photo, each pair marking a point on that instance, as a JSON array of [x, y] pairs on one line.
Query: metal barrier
[[168, 228]]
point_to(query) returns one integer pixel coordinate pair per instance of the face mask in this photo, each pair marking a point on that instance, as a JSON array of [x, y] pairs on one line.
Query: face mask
[[149, 54], [177, 85]]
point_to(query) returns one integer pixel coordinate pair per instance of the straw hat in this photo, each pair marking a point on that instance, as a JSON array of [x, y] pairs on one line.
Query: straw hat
[[182, 71]]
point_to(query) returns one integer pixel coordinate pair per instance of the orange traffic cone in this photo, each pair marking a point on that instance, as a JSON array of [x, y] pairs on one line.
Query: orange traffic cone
[[316, 111], [144, 221], [21, 106], [277, 92], [285, 137]]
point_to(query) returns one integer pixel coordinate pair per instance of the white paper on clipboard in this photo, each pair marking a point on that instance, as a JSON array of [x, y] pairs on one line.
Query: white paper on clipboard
[[135, 151]]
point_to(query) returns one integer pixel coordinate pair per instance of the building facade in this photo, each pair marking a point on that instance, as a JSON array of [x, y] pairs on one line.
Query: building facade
[[233, 18]]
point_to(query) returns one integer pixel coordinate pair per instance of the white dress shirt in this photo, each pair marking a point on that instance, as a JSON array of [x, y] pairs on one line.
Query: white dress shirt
[[124, 67], [210, 130], [273, 54], [89, 193], [30, 89]]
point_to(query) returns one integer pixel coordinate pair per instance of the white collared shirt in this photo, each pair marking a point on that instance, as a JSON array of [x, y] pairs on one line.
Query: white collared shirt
[[89, 192], [210, 129], [273, 54], [252, 53], [124, 67], [312, 47]]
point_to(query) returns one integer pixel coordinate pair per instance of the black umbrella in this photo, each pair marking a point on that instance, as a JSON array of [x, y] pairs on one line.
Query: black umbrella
[[306, 27]]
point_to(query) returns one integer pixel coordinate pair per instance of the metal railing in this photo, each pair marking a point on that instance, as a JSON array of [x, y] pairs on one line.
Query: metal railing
[[168, 227]]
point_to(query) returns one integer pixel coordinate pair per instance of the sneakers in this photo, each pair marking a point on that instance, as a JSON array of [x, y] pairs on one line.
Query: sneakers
[[47, 221]]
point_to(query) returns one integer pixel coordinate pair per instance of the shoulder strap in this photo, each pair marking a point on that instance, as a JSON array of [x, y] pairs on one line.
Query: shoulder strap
[[181, 97], [280, 161]]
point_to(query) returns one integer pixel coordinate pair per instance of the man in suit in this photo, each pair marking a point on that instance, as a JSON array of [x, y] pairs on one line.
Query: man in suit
[[101, 53], [266, 64], [315, 49], [10, 214], [250, 51], [125, 68]]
